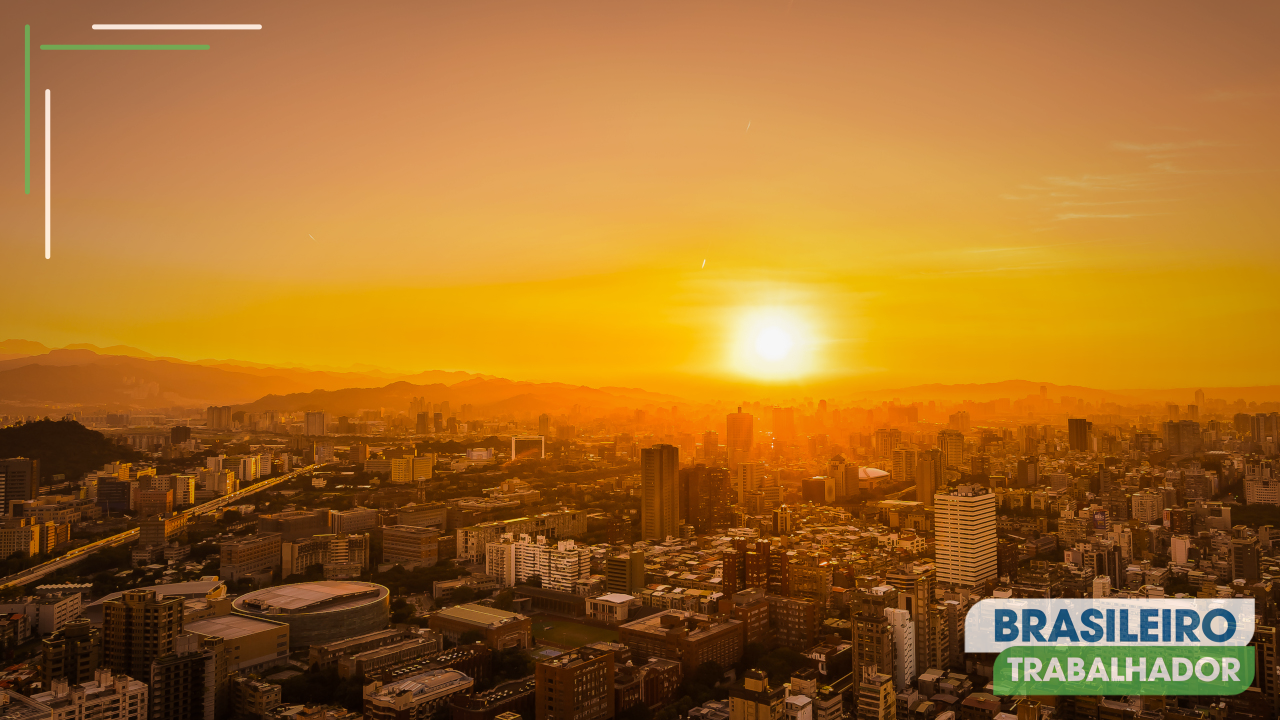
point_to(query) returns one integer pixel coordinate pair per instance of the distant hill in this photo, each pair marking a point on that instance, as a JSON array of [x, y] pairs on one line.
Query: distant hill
[[87, 377], [491, 396], [1017, 389], [63, 447]]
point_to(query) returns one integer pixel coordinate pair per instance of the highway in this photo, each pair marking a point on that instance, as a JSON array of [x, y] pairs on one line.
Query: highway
[[77, 554]]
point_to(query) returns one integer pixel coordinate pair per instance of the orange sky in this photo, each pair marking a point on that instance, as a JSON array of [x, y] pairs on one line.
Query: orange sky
[[937, 192]]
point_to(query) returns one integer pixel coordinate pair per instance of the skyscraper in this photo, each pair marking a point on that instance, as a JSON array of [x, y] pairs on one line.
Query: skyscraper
[[73, 653], [784, 425], [929, 474], [904, 465], [186, 682], [659, 492], [139, 627], [317, 423], [218, 417], [19, 480], [965, 535], [951, 443], [710, 444], [1078, 434], [747, 477], [544, 424], [738, 436], [705, 496]]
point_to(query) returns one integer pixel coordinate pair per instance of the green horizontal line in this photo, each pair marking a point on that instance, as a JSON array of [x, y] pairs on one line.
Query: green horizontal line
[[124, 47]]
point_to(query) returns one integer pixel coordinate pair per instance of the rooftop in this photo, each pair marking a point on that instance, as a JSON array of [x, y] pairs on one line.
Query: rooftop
[[321, 596], [428, 683], [229, 627], [480, 615]]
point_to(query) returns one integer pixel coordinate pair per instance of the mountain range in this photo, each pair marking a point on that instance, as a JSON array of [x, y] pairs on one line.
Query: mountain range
[[120, 377]]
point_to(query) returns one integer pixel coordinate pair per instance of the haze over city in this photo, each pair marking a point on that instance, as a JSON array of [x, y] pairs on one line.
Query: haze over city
[[618, 360]]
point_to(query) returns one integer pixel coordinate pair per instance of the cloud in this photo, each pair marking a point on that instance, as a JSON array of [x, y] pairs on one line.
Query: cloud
[[1099, 216], [1093, 203], [1100, 182], [1167, 147], [1235, 95]]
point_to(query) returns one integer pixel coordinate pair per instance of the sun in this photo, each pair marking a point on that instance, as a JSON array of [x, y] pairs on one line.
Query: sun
[[773, 342]]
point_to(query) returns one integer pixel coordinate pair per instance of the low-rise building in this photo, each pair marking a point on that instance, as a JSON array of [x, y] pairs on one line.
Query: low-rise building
[[118, 697], [689, 638], [256, 557], [252, 644], [501, 629], [425, 695]]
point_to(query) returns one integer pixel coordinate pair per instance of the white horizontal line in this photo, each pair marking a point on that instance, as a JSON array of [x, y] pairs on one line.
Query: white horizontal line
[[160, 26]]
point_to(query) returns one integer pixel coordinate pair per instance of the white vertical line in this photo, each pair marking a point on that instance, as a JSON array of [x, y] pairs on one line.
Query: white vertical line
[[48, 124]]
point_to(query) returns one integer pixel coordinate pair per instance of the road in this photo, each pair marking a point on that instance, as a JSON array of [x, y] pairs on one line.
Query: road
[[898, 495], [77, 554]]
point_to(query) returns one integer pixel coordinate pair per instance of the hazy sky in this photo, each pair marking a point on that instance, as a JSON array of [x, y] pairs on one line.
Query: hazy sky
[[1075, 192]]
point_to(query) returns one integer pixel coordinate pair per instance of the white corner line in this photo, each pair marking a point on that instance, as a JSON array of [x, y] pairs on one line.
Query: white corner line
[[172, 26], [48, 143]]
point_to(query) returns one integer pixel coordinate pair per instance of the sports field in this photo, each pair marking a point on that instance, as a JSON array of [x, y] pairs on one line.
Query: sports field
[[567, 633]]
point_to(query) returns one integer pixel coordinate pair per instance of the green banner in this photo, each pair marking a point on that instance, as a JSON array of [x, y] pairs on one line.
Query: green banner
[[1136, 670]]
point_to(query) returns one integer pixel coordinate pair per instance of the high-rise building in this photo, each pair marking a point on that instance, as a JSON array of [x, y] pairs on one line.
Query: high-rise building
[[710, 445], [705, 497], [408, 470], [747, 477], [544, 425], [1078, 430], [965, 535], [316, 424], [525, 447], [887, 440], [1182, 437], [930, 467], [624, 572], [959, 421], [254, 556], [139, 627], [904, 465], [738, 436], [951, 443], [187, 681], [659, 492], [577, 685], [73, 653], [19, 480], [784, 425], [218, 417], [902, 632]]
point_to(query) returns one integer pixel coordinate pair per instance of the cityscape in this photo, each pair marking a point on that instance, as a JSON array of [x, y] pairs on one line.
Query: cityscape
[[621, 360], [814, 560]]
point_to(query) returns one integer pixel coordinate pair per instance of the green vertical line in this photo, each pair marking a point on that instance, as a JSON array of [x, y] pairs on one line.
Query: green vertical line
[[27, 125]]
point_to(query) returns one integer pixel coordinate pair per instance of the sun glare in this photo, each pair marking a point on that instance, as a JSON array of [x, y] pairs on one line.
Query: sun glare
[[773, 343]]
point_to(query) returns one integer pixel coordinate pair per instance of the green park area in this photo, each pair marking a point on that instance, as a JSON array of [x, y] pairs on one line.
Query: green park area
[[568, 634]]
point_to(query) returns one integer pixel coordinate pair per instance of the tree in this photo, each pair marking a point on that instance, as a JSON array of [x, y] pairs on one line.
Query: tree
[[230, 517], [709, 673], [532, 581]]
